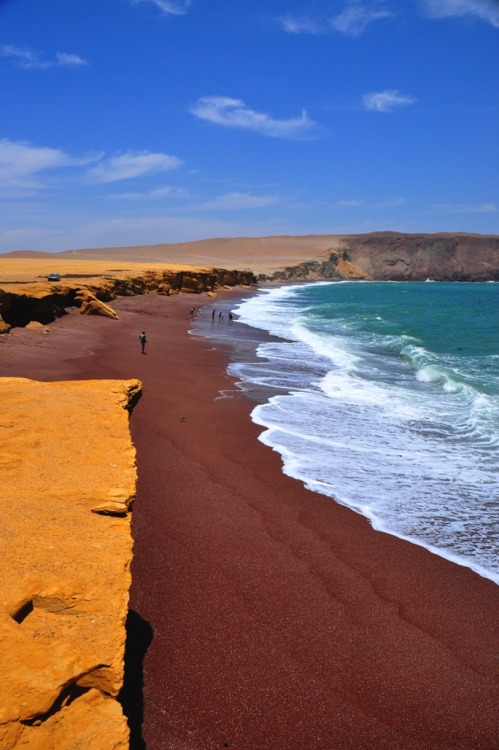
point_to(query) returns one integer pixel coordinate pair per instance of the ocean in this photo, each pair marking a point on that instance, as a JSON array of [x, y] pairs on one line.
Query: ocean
[[385, 397]]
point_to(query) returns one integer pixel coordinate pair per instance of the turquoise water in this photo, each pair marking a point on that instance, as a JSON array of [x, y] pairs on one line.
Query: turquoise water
[[384, 396]]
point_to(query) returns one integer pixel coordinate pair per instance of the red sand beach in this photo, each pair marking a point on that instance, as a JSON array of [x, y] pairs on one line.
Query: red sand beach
[[270, 617]]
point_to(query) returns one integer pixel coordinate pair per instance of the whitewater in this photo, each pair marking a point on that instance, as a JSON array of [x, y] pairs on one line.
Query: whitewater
[[385, 397]]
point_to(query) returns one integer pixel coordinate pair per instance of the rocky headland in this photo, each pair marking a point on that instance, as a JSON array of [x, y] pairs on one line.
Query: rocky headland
[[68, 482], [388, 256]]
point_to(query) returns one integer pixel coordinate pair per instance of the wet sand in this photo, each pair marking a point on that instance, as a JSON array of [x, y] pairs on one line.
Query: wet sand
[[271, 617]]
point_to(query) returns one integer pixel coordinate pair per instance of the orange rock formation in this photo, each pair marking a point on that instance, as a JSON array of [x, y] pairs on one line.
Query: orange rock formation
[[26, 295], [68, 481]]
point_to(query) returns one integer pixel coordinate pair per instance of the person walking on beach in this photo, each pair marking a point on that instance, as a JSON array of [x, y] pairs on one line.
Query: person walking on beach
[[143, 341], [220, 317], [191, 314], [213, 315], [231, 320]]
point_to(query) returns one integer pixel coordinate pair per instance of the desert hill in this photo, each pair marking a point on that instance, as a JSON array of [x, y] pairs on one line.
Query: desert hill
[[375, 255], [259, 254]]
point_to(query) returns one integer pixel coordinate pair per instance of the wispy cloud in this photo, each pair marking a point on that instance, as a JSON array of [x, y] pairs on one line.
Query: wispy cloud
[[239, 201], [67, 60], [386, 101], [155, 194], [170, 7], [25, 168], [132, 164], [349, 203], [25, 58], [21, 162], [353, 21], [486, 10], [357, 17], [301, 25], [233, 113], [354, 203], [468, 208]]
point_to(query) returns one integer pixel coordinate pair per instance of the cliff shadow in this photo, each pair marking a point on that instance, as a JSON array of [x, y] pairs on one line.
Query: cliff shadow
[[139, 636]]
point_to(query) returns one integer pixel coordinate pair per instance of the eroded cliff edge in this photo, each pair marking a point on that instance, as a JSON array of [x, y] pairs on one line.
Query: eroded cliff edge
[[68, 482], [390, 256], [23, 302]]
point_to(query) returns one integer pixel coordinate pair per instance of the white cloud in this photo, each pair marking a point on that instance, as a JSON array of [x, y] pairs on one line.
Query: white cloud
[[154, 194], [20, 162], [162, 192], [21, 165], [132, 164], [353, 21], [356, 18], [468, 208], [236, 201], [27, 59], [486, 10], [170, 7], [67, 60], [300, 25], [233, 113], [386, 101], [388, 203]]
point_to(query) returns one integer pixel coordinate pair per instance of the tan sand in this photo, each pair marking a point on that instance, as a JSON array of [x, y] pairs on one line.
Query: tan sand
[[30, 275], [258, 254]]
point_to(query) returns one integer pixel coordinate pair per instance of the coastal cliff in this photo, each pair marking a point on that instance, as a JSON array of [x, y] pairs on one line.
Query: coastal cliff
[[389, 256], [68, 482], [43, 302]]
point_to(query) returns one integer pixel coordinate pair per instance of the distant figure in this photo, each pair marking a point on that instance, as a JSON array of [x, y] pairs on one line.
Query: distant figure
[[213, 315], [220, 317], [231, 319], [191, 314], [143, 341]]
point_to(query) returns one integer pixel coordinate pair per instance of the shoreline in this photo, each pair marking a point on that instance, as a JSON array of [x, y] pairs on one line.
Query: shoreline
[[241, 349], [279, 618]]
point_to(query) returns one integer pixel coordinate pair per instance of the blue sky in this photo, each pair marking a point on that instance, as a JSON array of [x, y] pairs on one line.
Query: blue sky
[[128, 122]]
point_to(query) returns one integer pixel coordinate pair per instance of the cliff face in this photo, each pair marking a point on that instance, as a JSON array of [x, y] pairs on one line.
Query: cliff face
[[43, 302], [388, 256], [68, 481]]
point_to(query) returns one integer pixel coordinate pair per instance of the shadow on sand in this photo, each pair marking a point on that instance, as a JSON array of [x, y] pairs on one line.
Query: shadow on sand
[[138, 640]]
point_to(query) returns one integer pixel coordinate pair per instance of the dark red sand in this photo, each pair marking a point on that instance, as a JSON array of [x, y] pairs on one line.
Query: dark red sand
[[280, 620]]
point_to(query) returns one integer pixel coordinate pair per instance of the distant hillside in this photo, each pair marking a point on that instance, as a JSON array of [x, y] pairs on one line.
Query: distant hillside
[[388, 256], [377, 255]]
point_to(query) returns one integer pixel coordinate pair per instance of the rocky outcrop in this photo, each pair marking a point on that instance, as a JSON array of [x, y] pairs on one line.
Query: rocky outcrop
[[68, 482], [45, 305], [388, 256], [90, 305]]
